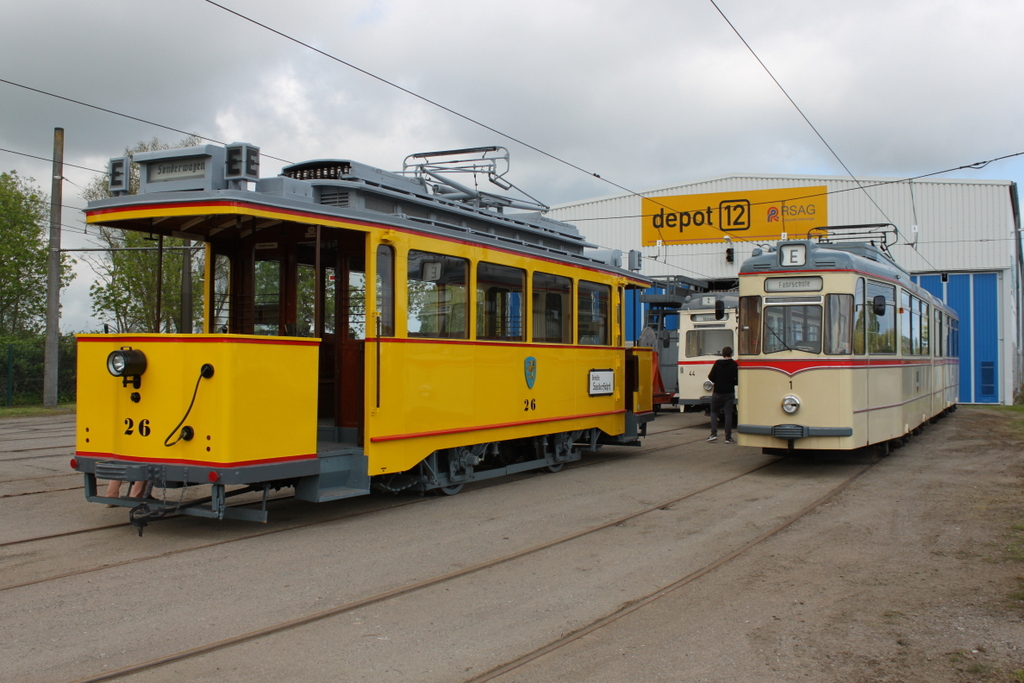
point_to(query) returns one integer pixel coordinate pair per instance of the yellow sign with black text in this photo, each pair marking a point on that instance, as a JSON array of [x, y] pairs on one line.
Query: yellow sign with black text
[[758, 215]]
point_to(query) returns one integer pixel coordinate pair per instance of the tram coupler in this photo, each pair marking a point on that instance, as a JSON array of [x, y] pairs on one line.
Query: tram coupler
[[142, 514]]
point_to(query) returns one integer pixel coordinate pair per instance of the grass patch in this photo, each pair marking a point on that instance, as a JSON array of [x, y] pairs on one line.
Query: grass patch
[[36, 411], [1016, 415]]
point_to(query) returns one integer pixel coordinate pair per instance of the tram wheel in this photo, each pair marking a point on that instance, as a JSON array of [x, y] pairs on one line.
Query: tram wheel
[[449, 490], [554, 468]]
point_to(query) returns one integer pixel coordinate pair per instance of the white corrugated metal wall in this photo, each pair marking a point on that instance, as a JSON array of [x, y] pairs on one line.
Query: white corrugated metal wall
[[964, 226]]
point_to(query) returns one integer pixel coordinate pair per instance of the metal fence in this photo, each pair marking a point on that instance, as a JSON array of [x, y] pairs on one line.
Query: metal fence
[[22, 360]]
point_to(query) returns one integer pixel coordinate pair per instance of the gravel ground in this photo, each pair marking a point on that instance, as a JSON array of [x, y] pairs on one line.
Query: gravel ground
[[914, 573]]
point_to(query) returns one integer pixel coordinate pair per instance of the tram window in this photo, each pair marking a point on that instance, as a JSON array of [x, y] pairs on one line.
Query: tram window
[[838, 328], [593, 317], [356, 305], [221, 293], [552, 309], [500, 293], [881, 329], [330, 289], [915, 325], [750, 325], [792, 328], [437, 296], [939, 338], [707, 342], [906, 324], [925, 319], [267, 297], [860, 320], [385, 291], [306, 310]]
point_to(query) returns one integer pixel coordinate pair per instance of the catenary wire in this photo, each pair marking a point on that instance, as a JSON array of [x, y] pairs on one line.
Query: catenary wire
[[798, 109], [126, 116]]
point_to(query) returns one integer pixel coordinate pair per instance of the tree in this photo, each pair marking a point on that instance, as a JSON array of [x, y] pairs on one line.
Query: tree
[[23, 249], [126, 292]]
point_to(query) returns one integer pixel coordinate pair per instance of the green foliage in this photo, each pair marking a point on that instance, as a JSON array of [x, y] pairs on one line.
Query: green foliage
[[21, 369], [125, 293], [23, 250]]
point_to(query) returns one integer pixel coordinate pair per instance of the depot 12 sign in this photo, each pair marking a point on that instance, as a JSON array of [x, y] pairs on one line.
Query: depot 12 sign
[[767, 215]]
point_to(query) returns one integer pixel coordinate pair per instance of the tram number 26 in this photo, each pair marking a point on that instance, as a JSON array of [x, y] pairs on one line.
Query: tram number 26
[[529, 404], [144, 428]]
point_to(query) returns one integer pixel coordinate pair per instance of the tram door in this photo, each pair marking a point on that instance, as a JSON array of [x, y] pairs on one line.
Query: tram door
[[292, 281]]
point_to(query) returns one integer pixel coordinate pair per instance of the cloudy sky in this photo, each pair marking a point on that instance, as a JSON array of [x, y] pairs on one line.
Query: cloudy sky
[[646, 94]]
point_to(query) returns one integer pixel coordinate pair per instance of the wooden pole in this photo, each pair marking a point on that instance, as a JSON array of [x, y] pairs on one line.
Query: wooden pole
[[51, 348]]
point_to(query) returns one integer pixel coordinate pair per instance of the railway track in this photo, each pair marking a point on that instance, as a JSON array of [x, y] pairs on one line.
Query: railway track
[[262, 532], [512, 665]]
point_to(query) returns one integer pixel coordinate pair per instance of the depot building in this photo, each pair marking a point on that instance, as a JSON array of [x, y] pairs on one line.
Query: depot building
[[960, 239]]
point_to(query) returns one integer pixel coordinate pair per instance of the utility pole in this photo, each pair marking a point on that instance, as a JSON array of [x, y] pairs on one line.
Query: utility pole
[[53, 275]]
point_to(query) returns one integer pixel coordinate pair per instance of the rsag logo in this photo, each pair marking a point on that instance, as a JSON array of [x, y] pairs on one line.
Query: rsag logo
[[773, 215]]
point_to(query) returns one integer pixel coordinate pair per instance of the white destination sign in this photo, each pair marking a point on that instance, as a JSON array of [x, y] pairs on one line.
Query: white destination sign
[[602, 382], [793, 284], [176, 169]]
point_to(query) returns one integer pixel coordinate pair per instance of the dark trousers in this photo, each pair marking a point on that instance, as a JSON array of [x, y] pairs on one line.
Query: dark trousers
[[723, 402]]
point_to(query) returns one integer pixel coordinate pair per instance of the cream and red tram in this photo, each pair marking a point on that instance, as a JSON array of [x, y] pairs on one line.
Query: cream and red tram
[[839, 349], [361, 328], [689, 331]]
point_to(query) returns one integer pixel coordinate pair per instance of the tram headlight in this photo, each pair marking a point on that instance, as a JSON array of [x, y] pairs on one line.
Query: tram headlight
[[126, 363], [791, 404], [708, 385]]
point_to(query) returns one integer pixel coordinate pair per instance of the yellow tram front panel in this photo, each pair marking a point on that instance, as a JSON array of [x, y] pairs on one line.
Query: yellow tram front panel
[[257, 407], [438, 394]]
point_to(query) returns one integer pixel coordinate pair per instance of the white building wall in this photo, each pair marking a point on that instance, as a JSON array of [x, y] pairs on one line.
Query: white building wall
[[963, 226]]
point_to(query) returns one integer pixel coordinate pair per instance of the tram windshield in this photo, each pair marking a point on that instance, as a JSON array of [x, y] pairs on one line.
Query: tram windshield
[[792, 328], [707, 342]]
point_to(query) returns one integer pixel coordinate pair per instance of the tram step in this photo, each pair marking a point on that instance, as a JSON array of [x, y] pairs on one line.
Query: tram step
[[339, 492]]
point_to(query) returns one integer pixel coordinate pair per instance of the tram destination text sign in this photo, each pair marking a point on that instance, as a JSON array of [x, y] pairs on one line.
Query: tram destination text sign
[[765, 215], [602, 382], [176, 169], [793, 284]]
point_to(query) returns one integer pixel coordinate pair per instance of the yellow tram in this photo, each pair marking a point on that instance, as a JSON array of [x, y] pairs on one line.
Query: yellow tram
[[361, 328], [838, 348]]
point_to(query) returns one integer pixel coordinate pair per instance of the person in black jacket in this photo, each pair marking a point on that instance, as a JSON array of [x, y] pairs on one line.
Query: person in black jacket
[[724, 373]]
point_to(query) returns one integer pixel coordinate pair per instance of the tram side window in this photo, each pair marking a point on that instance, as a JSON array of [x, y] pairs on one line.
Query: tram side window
[[939, 339], [552, 309], [750, 325], [437, 290], [906, 324], [839, 324], [306, 283], [926, 316], [385, 291], [861, 319], [954, 338], [356, 305], [915, 326], [221, 303], [593, 318], [267, 297], [881, 329], [500, 302]]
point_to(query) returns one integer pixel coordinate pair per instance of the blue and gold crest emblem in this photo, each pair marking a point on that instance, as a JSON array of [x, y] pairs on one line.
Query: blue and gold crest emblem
[[530, 370]]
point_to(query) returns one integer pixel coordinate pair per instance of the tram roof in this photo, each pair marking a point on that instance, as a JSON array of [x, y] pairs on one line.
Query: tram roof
[[338, 189]]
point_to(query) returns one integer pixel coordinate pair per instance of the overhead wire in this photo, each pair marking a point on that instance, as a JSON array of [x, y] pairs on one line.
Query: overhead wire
[[127, 116], [797, 107]]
